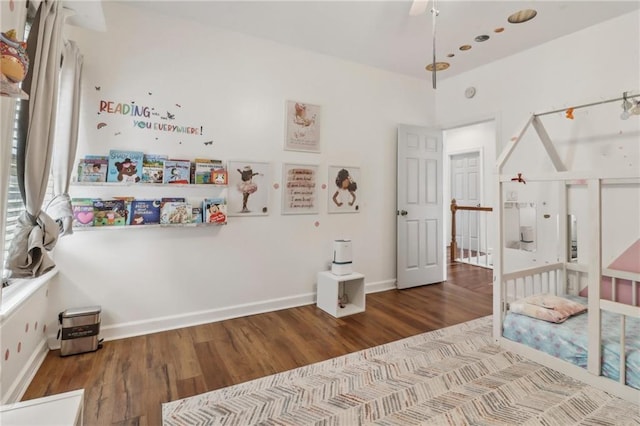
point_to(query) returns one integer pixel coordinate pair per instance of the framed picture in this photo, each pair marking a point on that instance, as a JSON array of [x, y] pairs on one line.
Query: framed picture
[[248, 190], [302, 130], [299, 189], [344, 185]]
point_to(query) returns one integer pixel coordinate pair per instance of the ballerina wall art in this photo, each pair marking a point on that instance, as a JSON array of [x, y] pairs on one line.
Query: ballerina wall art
[[248, 193]]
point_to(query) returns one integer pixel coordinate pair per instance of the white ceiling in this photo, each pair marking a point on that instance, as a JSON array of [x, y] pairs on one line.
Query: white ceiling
[[383, 35]]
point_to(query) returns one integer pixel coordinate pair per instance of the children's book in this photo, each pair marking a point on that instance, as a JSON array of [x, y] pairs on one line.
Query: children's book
[[125, 166], [127, 207], [219, 177], [82, 212], [214, 210], [204, 168], [153, 168], [92, 170], [171, 199], [177, 171], [196, 214], [202, 173], [109, 213], [145, 212], [175, 212]]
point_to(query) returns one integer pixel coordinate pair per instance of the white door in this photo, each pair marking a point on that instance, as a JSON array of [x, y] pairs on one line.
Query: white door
[[420, 244], [465, 188]]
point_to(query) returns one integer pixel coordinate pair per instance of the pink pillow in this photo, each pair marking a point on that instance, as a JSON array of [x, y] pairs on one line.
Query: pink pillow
[[547, 307], [628, 261]]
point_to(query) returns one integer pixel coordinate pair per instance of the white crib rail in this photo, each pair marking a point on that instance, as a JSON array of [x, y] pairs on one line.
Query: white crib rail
[[540, 279]]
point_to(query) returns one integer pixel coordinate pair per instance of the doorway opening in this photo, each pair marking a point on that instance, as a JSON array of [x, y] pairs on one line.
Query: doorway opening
[[469, 154]]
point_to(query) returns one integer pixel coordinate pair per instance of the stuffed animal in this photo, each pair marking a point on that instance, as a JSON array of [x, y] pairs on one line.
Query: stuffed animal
[[15, 62]]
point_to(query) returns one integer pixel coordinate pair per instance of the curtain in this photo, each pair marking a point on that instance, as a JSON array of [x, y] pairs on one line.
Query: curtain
[[66, 137], [36, 232]]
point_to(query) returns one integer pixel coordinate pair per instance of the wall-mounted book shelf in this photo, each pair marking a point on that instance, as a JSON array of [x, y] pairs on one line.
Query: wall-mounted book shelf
[[127, 205], [155, 225], [146, 185]]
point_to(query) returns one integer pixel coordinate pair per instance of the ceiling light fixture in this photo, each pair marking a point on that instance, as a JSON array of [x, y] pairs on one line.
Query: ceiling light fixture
[[498, 30], [440, 66], [465, 47], [481, 38], [521, 16]]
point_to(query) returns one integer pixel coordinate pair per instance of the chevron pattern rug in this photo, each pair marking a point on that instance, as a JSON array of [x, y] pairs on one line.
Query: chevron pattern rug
[[452, 376]]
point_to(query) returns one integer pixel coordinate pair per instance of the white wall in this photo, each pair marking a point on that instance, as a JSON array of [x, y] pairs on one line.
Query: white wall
[[595, 64], [235, 87]]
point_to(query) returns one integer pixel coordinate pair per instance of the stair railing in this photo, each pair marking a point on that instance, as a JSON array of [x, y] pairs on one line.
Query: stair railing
[[482, 255]]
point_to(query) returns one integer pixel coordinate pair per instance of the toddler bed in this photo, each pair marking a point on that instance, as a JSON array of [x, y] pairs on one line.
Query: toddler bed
[[568, 340], [587, 345], [600, 346], [594, 345]]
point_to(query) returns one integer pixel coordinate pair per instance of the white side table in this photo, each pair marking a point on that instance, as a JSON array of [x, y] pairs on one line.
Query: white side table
[[331, 287], [63, 409]]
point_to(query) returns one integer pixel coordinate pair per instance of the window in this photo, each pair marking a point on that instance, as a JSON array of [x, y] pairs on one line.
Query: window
[[15, 206], [14, 202]]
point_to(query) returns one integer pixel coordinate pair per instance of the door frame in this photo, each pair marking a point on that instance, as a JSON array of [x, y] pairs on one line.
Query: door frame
[[447, 189], [446, 170], [496, 118]]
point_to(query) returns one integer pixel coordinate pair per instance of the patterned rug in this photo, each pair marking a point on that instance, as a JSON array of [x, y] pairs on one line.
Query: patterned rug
[[452, 376]]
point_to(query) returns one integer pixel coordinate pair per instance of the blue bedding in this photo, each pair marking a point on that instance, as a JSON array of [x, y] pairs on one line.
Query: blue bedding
[[568, 340]]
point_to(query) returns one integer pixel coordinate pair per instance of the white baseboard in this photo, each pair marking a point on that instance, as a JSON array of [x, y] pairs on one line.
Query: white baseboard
[[154, 325], [20, 385], [380, 286]]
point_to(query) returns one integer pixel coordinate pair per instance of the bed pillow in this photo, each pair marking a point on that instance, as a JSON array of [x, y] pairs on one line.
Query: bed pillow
[[547, 307], [628, 261]]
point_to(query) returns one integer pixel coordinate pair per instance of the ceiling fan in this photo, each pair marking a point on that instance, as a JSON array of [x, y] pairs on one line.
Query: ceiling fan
[[419, 7]]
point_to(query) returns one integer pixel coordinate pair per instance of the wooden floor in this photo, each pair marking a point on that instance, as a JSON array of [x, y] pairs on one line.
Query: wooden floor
[[126, 381]]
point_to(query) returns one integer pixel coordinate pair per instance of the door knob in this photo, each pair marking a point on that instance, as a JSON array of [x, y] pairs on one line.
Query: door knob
[[403, 212]]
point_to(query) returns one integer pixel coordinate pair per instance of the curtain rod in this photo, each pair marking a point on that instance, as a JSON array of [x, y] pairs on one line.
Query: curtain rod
[[588, 105]]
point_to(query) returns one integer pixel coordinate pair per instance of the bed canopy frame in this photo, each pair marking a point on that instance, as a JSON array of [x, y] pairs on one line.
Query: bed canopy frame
[[535, 121], [594, 181]]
